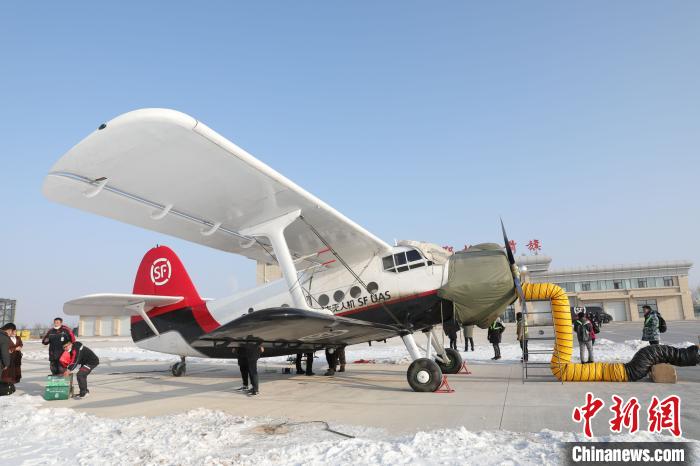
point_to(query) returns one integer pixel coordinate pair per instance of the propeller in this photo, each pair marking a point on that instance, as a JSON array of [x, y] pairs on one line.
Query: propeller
[[513, 267]]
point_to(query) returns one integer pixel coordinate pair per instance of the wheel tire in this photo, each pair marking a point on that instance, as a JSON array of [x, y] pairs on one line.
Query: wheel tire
[[424, 375], [454, 364], [178, 369]]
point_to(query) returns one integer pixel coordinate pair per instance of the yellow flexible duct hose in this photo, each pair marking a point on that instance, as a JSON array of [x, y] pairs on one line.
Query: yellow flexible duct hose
[[561, 365]]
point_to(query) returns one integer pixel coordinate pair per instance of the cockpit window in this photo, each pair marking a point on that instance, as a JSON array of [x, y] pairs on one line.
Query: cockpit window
[[403, 261], [413, 255], [388, 262]]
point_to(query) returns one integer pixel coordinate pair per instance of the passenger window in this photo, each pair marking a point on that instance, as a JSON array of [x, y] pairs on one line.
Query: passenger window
[[372, 287], [400, 258], [323, 300], [338, 296], [355, 291]]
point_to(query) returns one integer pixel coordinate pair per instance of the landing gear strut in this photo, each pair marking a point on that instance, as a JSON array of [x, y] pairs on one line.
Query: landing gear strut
[[179, 368]]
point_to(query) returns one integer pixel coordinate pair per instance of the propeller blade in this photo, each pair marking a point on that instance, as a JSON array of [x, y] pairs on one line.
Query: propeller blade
[[509, 251], [511, 259]]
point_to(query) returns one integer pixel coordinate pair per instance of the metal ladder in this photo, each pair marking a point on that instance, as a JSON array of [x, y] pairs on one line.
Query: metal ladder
[[531, 370]]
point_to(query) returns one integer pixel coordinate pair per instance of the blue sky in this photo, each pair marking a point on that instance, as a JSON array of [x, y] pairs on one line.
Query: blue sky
[[578, 123]]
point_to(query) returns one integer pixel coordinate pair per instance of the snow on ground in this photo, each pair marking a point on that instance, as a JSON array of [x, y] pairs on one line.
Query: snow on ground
[[34, 433], [391, 353]]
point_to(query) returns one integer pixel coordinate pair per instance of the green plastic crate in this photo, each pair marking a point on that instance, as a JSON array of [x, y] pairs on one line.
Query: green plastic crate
[[58, 387]]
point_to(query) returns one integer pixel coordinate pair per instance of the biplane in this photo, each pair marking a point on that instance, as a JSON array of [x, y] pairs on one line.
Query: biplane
[[341, 285]]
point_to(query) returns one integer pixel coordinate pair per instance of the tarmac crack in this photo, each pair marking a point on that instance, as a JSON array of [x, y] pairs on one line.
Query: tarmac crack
[[505, 398]]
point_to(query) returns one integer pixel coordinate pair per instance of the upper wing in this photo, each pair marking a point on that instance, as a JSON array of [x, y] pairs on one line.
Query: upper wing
[[165, 171], [114, 304], [288, 326]]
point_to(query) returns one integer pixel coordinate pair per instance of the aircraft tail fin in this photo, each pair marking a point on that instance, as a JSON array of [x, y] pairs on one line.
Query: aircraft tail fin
[[161, 273]]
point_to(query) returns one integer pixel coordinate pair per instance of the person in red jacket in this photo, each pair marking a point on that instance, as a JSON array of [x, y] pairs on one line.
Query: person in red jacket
[[56, 337], [80, 357]]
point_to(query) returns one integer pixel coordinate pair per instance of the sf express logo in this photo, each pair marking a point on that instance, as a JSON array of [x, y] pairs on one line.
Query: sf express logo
[[160, 271]]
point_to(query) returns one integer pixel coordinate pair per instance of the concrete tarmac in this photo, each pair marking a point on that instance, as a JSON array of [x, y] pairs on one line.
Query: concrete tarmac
[[376, 395]]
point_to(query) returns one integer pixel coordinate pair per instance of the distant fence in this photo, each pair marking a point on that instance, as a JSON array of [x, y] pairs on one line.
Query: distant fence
[[37, 332]]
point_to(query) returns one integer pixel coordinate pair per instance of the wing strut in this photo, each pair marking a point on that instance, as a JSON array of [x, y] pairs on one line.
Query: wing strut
[[274, 231], [139, 308]]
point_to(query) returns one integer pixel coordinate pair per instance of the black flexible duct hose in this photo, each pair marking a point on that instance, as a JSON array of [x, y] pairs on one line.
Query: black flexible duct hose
[[641, 363]]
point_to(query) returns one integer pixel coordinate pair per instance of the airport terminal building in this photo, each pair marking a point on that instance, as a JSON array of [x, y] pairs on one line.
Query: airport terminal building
[[621, 290]]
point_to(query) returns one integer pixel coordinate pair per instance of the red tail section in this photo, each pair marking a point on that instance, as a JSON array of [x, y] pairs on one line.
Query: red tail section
[[161, 273]]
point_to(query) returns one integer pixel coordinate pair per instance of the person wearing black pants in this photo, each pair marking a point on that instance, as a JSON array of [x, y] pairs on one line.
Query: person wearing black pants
[[80, 355], [309, 363], [451, 327], [253, 351], [332, 360], [494, 336], [341, 358], [243, 367], [55, 338]]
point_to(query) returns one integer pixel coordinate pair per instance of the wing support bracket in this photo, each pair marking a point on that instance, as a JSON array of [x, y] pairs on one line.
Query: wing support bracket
[[160, 214], [139, 308], [274, 230], [212, 230], [97, 187]]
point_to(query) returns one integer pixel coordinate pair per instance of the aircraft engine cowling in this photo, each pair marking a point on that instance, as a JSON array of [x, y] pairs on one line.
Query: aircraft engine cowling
[[480, 284]]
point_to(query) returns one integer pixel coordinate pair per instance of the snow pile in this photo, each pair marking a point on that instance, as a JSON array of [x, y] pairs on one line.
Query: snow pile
[[39, 435]]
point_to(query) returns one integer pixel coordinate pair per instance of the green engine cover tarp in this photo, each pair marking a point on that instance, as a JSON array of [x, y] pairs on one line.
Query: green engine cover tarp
[[480, 284]]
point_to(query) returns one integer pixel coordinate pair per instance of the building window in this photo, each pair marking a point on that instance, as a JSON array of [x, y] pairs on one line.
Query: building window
[[668, 281], [646, 302], [641, 283], [585, 286], [618, 285], [569, 287]]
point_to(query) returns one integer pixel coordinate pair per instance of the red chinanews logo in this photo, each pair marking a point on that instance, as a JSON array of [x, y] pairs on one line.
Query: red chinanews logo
[[160, 271]]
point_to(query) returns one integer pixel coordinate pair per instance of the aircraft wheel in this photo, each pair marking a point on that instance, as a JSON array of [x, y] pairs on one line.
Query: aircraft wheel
[[178, 369], [454, 363], [424, 375]]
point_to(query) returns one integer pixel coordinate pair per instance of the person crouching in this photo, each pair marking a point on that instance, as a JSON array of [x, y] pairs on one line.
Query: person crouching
[[76, 354]]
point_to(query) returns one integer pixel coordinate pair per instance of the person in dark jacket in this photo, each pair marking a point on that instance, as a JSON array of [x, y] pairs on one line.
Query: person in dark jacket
[[242, 358], [76, 354], [309, 363], [584, 332], [5, 357], [650, 331], [451, 328], [56, 337], [12, 374], [252, 350], [494, 336]]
